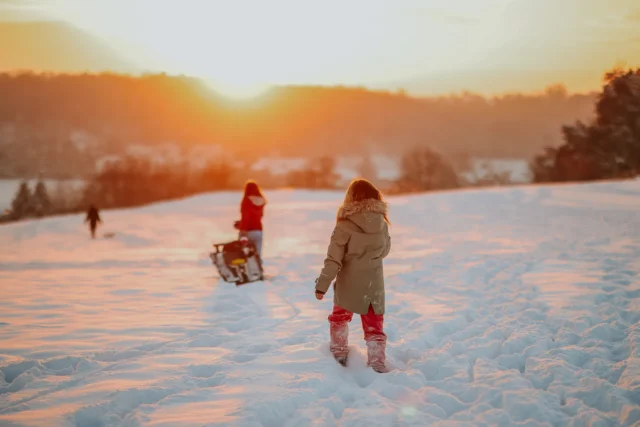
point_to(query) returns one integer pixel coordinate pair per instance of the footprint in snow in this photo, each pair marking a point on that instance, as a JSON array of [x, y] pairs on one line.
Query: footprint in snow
[[13, 371], [63, 365], [204, 371], [243, 358]]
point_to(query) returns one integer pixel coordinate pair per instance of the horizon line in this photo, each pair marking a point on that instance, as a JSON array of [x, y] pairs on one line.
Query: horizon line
[[398, 91]]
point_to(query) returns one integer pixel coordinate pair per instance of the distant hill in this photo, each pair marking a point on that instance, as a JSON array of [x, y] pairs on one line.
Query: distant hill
[[46, 112], [56, 46]]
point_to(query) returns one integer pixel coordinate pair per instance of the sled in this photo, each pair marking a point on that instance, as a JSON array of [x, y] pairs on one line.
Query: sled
[[237, 262]]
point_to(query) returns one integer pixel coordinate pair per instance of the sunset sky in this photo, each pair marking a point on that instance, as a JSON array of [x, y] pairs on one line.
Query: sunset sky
[[488, 46]]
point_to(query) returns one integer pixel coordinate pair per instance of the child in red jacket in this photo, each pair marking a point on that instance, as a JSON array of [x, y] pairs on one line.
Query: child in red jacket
[[252, 210]]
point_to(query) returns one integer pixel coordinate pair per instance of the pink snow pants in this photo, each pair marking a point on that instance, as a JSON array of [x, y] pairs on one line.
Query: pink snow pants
[[373, 335]]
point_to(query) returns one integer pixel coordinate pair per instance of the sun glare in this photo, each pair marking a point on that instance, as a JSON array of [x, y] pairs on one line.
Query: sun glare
[[238, 90]]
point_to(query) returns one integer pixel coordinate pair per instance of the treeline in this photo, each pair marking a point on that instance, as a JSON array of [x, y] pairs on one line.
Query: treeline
[[126, 182], [41, 116], [608, 147], [136, 181]]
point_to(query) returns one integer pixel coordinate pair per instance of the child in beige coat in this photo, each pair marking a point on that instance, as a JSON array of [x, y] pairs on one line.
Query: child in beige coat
[[359, 243]]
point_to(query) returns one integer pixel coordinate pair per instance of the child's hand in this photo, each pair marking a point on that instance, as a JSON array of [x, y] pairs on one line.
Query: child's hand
[[319, 295]]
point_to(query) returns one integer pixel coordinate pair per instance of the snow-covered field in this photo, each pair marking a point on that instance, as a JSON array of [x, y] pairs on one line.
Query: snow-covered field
[[504, 307]]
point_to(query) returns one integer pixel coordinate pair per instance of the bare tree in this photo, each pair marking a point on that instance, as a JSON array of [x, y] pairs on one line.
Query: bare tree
[[425, 170]]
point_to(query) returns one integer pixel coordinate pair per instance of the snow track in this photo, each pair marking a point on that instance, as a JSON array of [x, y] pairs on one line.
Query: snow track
[[505, 307]]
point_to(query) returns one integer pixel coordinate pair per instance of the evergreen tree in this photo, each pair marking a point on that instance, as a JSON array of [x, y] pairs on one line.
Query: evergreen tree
[[608, 147], [21, 206], [41, 200]]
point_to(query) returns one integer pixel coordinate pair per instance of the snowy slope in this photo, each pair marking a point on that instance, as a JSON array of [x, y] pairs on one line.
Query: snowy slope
[[505, 307]]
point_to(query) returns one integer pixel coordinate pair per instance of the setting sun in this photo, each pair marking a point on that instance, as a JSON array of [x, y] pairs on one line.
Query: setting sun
[[238, 89]]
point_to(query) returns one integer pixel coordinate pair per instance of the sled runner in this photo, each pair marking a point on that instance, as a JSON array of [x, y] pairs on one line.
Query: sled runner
[[237, 262]]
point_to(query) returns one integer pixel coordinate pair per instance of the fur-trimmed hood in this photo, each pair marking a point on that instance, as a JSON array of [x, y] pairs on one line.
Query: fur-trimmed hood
[[368, 205], [367, 214]]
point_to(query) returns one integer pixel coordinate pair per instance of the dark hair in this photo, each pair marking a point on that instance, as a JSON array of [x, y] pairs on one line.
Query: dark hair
[[361, 189], [251, 188]]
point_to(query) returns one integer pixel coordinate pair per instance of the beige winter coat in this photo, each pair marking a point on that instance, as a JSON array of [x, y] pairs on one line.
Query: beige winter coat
[[359, 243]]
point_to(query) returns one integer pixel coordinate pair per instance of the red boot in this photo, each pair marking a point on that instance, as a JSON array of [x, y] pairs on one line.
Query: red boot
[[376, 339], [339, 330]]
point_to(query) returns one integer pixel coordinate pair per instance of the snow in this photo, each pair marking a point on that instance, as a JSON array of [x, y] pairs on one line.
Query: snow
[[505, 307]]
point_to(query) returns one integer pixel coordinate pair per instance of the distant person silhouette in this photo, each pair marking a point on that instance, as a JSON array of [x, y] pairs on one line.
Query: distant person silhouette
[[93, 218]]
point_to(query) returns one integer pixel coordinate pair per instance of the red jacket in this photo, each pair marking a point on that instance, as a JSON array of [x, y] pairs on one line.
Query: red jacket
[[252, 209]]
